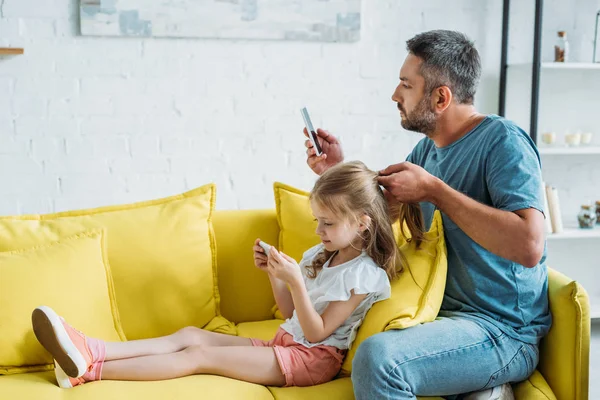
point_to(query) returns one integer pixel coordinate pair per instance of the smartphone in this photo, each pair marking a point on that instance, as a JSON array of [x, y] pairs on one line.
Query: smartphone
[[312, 133], [266, 247]]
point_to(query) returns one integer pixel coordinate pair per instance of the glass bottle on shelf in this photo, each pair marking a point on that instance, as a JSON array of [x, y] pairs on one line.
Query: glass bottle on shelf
[[587, 217], [561, 48]]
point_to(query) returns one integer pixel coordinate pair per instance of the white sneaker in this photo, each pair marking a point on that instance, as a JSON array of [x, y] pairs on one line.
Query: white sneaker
[[502, 392]]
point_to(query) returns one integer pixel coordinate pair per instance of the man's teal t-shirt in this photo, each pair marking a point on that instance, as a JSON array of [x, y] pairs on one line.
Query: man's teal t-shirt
[[496, 164]]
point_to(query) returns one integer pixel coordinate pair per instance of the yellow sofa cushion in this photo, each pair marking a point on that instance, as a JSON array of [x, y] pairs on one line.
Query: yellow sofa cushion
[[534, 388], [42, 386], [297, 225], [416, 295], [245, 290], [73, 277], [162, 256]]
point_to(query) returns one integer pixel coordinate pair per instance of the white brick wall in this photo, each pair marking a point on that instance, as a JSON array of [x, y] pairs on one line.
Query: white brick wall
[[87, 121], [126, 118]]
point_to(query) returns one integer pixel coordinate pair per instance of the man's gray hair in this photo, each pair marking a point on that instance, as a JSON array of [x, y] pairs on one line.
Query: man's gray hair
[[449, 59]]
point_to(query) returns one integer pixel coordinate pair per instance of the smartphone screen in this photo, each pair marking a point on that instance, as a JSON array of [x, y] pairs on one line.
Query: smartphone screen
[[312, 133]]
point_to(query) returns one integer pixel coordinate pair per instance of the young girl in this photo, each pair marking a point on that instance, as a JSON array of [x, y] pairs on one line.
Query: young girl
[[324, 299]]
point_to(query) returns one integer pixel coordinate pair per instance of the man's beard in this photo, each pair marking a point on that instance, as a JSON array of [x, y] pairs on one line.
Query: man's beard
[[421, 119]]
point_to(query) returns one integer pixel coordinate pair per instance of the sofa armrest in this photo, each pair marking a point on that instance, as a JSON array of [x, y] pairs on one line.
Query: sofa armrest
[[564, 352]]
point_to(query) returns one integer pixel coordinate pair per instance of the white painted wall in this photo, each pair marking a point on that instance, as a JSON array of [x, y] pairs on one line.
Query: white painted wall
[[87, 121]]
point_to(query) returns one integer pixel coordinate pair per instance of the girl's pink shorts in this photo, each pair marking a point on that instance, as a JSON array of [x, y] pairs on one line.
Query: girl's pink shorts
[[301, 365]]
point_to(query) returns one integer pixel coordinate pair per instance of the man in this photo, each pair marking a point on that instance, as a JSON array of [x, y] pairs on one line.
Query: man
[[483, 173]]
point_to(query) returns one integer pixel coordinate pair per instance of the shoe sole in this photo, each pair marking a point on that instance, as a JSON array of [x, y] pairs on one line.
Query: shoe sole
[[509, 394], [61, 377], [51, 334]]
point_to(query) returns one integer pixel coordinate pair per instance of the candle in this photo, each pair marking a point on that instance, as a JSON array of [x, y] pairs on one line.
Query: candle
[[573, 139], [548, 137]]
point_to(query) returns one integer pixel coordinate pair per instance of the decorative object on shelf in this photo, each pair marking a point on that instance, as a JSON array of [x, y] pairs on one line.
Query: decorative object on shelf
[[549, 138], [561, 48], [586, 138], [573, 139], [554, 209], [547, 221], [598, 212], [305, 20], [587, 217], [596, 58]]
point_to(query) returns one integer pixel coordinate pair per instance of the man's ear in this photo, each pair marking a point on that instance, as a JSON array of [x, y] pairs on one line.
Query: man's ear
[[441, 98], [364, 223]]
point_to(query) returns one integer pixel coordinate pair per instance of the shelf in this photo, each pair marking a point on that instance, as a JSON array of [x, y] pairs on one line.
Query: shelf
[[594, 307], [561, 66], [11, 51], [564, 150], [575, 233]]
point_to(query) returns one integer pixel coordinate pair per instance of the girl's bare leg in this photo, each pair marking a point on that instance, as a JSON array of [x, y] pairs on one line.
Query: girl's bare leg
[[184, 338], [247, 363]]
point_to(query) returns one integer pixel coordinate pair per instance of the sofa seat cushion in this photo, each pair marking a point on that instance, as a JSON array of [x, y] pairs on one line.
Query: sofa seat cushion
[[42, 385], [534, 388], [338, 389], [264, 330]]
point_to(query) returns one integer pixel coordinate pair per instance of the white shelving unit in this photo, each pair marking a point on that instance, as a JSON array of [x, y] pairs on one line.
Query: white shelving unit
[[575, 233], [567, 151], [594, 312], [559, 65], [567, 103]]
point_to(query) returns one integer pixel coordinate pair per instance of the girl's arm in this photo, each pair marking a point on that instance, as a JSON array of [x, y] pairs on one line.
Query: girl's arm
[[315, 327], [283, 297]]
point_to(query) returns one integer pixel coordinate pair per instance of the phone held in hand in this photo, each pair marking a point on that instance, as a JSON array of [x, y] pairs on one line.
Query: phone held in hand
[[312, 133], [266, 247]]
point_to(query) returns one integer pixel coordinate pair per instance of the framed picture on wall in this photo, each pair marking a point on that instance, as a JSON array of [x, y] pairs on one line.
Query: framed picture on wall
[[303, 20]]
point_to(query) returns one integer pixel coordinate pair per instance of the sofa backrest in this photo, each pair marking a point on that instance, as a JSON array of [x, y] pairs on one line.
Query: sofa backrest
[[245, 291]]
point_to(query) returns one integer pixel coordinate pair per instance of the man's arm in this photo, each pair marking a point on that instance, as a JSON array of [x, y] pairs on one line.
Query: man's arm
[[517, 236]]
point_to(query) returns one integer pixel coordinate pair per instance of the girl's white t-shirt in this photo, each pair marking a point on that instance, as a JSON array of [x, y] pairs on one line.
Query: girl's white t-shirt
[[360, 274]]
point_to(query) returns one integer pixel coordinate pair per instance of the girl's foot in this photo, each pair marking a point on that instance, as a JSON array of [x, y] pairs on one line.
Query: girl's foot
[[74, 352], [66, 382]]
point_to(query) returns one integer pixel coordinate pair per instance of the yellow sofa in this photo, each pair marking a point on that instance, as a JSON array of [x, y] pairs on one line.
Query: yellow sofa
[[246, 300]]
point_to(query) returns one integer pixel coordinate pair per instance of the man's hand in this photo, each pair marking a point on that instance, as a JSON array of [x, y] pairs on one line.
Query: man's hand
[[332, 152], [408, 183]]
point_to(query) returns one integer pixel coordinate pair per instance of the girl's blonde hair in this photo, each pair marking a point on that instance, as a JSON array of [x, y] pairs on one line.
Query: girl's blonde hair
[[350, 190]]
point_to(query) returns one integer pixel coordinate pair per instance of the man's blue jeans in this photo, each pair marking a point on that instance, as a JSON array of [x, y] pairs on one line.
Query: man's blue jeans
[[450, 356]]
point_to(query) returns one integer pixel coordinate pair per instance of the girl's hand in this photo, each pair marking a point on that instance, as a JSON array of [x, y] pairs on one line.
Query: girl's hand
[[260, 258], [283, 267]]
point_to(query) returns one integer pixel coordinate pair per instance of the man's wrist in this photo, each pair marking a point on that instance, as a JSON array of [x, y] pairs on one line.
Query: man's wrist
[[437, 188]]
